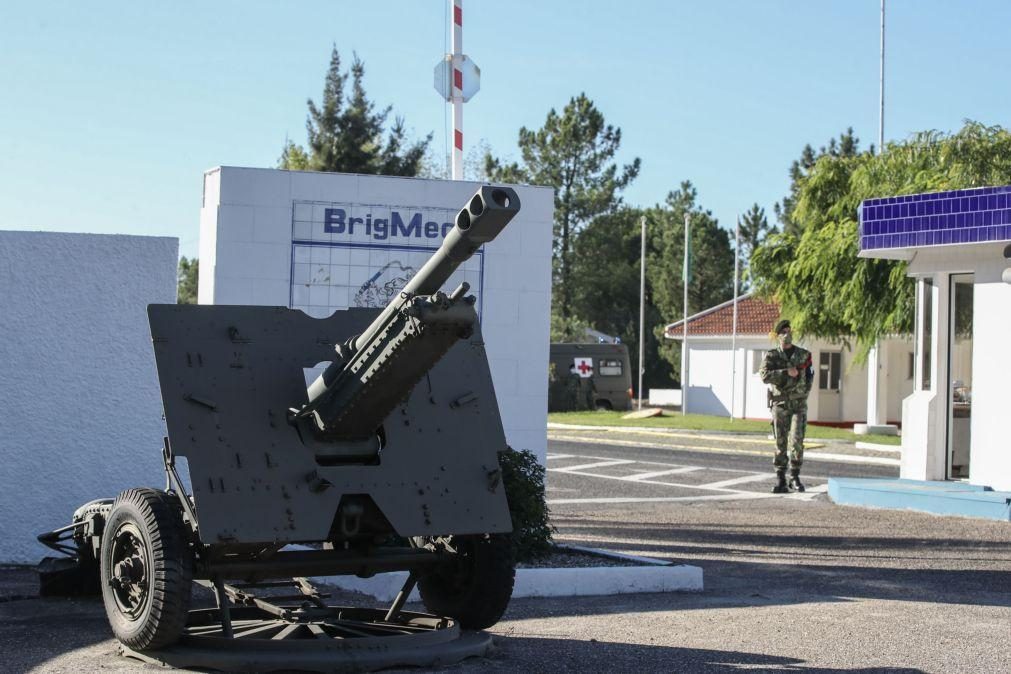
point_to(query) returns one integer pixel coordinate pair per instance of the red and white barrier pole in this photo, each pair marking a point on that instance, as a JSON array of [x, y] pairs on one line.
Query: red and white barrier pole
[[457, 31]]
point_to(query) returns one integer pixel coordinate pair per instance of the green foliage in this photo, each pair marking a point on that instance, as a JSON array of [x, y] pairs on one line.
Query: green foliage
[[188, 278], [813, 271], [523, 479], [712, 280], [569, 329], [754, 228], [847, 146], [346, 133], [572, 152], [293, 158], [606, 276]]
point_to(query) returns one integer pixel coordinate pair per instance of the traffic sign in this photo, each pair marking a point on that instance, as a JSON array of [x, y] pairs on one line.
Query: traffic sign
[[470, 77]]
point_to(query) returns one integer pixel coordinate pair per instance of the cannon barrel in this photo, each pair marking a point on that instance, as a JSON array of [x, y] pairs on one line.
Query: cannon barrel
[[377, 369], [480, 221]]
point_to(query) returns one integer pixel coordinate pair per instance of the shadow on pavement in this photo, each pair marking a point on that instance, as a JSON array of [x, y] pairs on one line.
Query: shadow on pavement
[[561, 655]]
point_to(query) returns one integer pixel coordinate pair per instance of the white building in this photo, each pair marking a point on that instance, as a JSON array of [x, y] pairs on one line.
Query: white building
[[321, 242], [956, 246], [721, 378]]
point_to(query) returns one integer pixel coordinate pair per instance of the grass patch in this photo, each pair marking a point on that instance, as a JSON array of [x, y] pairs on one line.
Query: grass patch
[[705, 422]]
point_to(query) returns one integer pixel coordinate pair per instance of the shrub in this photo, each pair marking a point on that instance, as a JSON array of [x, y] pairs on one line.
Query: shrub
[[523, 478]]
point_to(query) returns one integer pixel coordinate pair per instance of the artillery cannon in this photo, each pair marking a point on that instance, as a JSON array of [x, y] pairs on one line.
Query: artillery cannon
[[397, 440]]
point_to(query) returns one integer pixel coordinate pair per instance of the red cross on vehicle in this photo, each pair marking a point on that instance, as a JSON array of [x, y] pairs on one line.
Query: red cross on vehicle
[[584, 367]]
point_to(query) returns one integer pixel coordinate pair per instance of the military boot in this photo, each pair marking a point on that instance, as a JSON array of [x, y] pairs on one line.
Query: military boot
[[781, 487], [795, 482]]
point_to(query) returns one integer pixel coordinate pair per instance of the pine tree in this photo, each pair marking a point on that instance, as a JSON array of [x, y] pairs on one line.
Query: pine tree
[[572, 152], [346, 134]]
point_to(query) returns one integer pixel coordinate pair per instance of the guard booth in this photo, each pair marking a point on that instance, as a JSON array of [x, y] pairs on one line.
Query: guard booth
[[956, 246]]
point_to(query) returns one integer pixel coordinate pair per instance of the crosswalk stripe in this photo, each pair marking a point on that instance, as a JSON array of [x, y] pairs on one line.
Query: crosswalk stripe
[[737, 480], [660, 473], [598, 464], [738, 496]]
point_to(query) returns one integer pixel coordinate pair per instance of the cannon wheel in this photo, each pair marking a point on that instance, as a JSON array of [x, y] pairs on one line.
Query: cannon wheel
[[476, 585], [147, 569]]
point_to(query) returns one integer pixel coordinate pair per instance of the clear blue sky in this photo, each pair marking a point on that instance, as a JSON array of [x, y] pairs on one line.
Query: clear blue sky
[[110, 112]]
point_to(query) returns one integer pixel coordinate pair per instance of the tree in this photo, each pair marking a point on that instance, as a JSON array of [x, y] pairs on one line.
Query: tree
[[572, 153], [188, 277], [847, 146], [712, 275], [754, 228], [347, 133], [605, 277], [815, 273]]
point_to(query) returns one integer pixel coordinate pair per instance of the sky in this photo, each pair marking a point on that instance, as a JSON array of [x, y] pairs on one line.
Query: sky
[[111, 112]]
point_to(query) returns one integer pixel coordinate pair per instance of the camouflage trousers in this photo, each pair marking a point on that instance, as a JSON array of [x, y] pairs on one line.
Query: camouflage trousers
[[789, 423]]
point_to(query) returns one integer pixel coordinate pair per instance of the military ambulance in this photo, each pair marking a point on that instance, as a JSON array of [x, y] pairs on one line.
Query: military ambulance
[[589, 377]]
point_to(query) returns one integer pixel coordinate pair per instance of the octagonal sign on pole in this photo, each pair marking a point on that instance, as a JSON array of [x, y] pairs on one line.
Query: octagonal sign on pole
[[470, 77]]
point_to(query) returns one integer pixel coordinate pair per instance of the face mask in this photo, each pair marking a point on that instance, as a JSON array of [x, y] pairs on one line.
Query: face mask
[[785, 339]]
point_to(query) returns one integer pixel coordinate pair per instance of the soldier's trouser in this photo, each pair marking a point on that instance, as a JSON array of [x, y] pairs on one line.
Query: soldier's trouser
[[789, 421]]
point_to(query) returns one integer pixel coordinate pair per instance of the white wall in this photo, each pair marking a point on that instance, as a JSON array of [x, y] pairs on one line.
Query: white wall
[[710, 376], [898, 383], [251, 219], [990, 459], [80, 407]]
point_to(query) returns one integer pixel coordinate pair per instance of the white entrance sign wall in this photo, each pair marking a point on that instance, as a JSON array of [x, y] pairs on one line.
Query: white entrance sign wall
[[321, 242], [80, 407]]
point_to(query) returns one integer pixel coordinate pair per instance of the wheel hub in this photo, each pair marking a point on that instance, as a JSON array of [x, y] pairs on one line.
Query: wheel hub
[[129, 576]]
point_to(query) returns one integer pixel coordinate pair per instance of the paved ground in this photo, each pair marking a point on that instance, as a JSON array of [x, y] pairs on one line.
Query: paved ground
[[793, 584]]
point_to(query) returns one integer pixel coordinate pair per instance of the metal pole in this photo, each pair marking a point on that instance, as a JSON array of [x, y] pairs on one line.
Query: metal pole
[[684, 326], [733, 339], [642, 306], [457, 30], [881, 88]]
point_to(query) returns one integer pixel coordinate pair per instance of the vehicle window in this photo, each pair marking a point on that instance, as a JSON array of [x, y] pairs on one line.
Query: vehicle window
[[610, 367]]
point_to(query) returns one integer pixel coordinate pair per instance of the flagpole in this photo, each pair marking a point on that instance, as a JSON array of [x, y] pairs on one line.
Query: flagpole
[[642, 305], [684, 322], [733, 339]]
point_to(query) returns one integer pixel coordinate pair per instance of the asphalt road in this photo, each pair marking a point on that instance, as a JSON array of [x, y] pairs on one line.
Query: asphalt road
[[598, 473], [793, 583]]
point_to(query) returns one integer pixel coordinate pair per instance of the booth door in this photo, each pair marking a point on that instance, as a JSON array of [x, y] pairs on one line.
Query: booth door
[[829, 384], [960, 376]]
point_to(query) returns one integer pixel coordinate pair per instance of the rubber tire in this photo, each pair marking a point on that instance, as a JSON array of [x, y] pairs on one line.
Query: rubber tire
[[475, 588], [157, 515]]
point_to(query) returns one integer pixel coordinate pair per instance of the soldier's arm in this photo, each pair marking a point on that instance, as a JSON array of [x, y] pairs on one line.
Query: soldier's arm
[[769, 372]]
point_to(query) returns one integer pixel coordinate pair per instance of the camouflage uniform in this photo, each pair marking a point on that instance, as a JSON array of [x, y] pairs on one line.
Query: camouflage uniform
[[788, 402]]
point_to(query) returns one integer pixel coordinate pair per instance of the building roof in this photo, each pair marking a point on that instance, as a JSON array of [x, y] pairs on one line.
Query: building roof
[[754, 317]]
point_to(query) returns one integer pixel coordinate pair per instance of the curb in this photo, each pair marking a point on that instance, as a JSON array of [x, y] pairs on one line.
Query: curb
[[583, 581], [895, 449]]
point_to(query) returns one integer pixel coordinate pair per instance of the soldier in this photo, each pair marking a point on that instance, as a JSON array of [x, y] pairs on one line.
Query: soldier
[[788, 372]]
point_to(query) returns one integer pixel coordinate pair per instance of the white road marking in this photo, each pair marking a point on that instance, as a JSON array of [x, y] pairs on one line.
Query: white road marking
[[552, 457], [598, 464], [673, 471], [737, 480], [809, 455], [737, 496], [663, 484]]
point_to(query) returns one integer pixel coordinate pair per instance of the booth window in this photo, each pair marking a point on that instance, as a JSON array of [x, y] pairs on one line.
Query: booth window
[[926, 331]]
